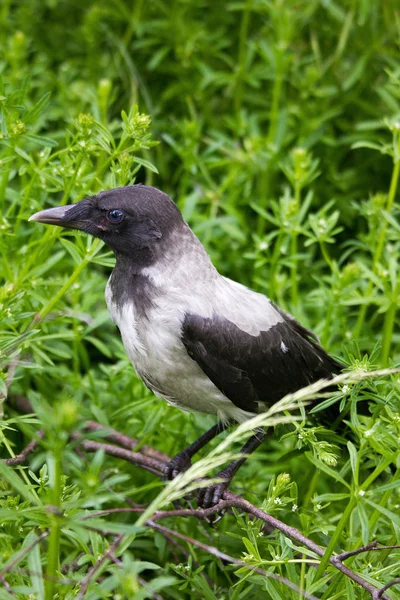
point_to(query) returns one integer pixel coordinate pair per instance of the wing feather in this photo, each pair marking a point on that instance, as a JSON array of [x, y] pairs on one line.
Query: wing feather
[[252, 370]]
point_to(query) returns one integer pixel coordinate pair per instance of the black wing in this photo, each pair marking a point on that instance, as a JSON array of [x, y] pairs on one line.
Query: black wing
[[256, 369]]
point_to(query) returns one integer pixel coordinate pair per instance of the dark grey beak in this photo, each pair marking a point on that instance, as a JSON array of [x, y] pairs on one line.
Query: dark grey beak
[[53, 216]]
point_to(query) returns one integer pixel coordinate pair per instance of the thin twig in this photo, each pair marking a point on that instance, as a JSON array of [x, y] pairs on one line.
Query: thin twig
[[136, 458], [155, 464], [93, 570], [74, 566], [23, 553], [7, 586], [230, 559], [372, 546], [365, 548], [379, 593], [116, 437], [295, 534], [186, 554], [20, 458], [146, 584]]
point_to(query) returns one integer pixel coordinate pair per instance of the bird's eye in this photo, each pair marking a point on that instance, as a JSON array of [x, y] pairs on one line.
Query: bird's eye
[[115, 216]]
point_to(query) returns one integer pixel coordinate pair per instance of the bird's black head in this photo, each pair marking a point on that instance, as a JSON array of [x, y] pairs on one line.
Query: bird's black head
[[133, 221]]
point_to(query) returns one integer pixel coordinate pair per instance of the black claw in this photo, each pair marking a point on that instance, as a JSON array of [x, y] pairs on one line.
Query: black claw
[[218, 493], [178, 464], [210, 496]]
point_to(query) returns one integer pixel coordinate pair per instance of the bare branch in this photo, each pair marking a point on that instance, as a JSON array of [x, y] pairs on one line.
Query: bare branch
[[380, 593], [7, 586], [230, 500], [23, 553], [136, 458], [230, 559], [20, 458], [154, 461], [372, 546], [145, 584], [93, 570], [125, 441]]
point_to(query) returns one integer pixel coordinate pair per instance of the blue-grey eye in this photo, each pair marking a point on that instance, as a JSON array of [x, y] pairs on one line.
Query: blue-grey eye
[[115, 216]]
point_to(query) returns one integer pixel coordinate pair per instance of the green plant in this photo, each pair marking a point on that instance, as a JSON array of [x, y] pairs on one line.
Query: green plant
[[277, 135]]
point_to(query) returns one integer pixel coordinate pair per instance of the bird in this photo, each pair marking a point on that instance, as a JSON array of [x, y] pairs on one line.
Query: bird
[[197, 339]]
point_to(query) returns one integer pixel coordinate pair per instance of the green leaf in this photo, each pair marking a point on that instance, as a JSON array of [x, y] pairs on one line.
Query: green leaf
[[145, 163], [31, 115], [394, 517], [323, 467], [72, 250], [102, 526], [17, 484], [353, 460], [35, 565], [41, 140]]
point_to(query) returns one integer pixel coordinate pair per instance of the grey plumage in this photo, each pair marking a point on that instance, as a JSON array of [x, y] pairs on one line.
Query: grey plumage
[[198, 339]]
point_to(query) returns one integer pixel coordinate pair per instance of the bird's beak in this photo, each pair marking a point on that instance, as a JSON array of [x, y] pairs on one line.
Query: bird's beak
[[58, 216]]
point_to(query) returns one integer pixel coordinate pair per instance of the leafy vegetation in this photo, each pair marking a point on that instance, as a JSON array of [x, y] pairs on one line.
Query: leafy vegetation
[[275, 126]]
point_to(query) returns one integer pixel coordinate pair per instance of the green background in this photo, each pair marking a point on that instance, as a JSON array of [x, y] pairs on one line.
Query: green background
[[275, 127]]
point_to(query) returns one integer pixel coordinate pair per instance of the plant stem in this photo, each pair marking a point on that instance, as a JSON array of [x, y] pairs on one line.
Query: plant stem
[[4, 181], [46, 309], [379, 247], [388, 326], [96, 246], [293, 251], [346, 515], [391, 197], [243, 41], [54, 525], [50, 233], [333, 541], [276, 97]]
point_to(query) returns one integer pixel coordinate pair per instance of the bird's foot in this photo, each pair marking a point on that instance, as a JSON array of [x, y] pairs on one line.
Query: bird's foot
[[180, 463], [209, 496]]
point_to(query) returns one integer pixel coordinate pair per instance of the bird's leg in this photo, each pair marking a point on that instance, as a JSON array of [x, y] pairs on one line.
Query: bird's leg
[[181, 462], [211, 495]]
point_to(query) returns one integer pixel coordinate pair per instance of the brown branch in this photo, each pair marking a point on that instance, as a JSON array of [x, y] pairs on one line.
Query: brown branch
[[379, 593], [210, 549], [136, 458], [138, 509], [93, 570], [74, 566], [295, 534], [372, 546], [21, 404], [7, 586], [154, 462], [230, 500], [147, 585], [23, 553], [20, 458], [125, 441], [366, 548], [186, 554], [230, 559]]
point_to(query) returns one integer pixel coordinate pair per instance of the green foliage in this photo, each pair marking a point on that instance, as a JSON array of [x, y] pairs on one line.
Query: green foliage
[[275, 127]]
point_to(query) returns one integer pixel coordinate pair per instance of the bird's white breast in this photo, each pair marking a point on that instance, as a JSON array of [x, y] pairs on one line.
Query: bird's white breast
[[154, 348], [185, 282]]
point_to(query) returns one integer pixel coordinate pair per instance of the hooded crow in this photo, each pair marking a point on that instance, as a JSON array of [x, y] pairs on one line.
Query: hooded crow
[[197, 339]]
